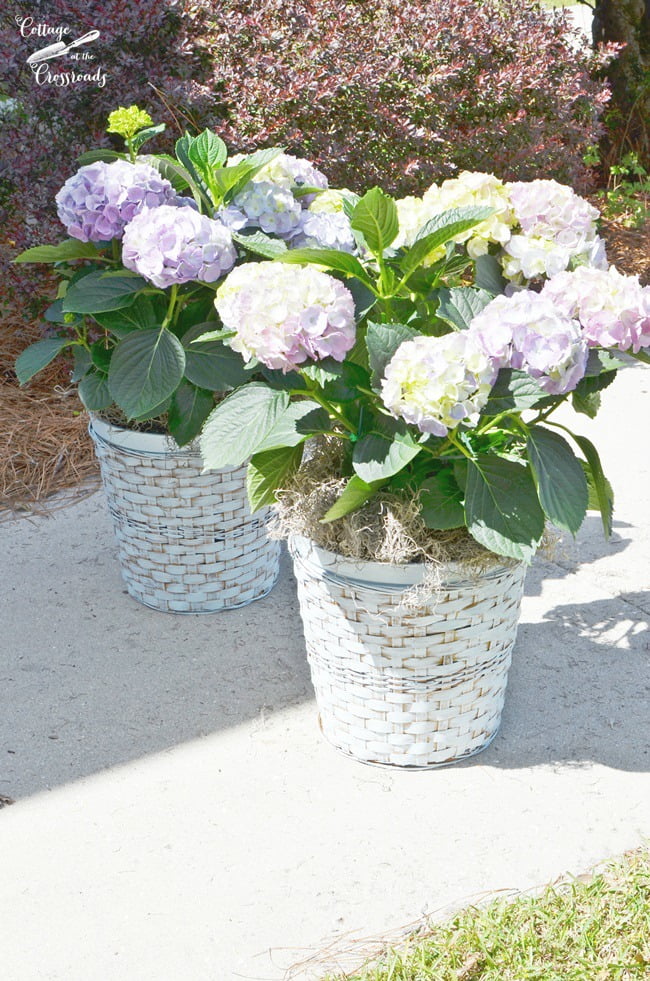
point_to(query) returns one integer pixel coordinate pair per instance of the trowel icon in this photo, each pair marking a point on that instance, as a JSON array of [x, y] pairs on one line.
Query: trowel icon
[[60, 48]]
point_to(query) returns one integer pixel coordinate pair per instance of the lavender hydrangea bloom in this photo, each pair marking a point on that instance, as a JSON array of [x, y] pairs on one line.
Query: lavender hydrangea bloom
[[324, 230], [613, 309], [526, 331], [183, 202], [97, 202], [169, 245], [263, 205], [284, 315], [550, 210]]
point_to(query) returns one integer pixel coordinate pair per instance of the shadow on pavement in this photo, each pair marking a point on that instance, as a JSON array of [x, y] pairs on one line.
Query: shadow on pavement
[[99, 680], [579, 688], [569, 555], [90, 679]]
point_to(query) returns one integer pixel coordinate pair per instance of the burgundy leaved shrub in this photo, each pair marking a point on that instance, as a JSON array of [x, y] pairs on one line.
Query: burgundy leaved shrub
[[401, 93], [391, 92]]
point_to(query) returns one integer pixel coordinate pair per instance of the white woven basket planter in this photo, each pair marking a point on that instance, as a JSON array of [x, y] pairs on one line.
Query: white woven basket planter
[[187, 541], [406, 687]]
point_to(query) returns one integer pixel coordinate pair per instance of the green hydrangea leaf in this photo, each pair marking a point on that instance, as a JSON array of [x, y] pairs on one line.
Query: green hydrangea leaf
[[269, 470], [502, 509], [561, 482], [37, 356], [146, 368], [237, 428], [355, 494], [441, 502]]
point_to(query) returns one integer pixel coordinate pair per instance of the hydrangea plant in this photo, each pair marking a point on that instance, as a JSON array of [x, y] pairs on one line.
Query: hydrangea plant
[[444, 388], [151, 237]]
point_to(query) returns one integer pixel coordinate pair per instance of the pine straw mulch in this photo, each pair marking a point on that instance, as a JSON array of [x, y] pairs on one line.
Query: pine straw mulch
[[45, 449], [46, 455], [628, 249]]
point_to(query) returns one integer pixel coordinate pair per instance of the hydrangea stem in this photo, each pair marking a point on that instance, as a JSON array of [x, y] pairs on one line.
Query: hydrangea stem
[[461, 449], [329, 408], [494, 422], [172, 305], [544, 415]]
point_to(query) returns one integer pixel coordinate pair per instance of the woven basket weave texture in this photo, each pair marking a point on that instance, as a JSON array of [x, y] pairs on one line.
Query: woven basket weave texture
[[407, 687], [187, 541]]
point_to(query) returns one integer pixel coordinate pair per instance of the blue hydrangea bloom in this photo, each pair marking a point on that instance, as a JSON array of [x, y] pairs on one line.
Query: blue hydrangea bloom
[[97, 202]]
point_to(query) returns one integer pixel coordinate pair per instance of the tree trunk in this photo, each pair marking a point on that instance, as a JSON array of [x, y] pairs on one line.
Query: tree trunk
[[628, 22]]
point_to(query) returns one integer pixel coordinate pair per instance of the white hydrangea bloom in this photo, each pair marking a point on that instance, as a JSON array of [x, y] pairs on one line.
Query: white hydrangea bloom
[[284, 314], [595, 255], [437, 383], [412, 215], [469, 189], [288, 172], [475, 189], [527, 257], [330, 201]]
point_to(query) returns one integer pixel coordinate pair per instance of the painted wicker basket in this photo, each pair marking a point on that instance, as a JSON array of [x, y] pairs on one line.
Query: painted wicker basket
[[399, 686], [187, 541]]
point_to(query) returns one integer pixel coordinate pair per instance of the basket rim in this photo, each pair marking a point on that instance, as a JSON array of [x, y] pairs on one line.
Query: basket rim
[[131, 439], [362, 572], [146, 444]]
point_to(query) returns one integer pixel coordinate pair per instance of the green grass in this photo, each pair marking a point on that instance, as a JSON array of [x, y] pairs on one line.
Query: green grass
[[592, 930]]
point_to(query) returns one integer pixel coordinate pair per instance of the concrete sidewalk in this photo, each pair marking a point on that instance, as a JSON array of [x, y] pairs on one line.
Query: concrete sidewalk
[[180, 818]]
